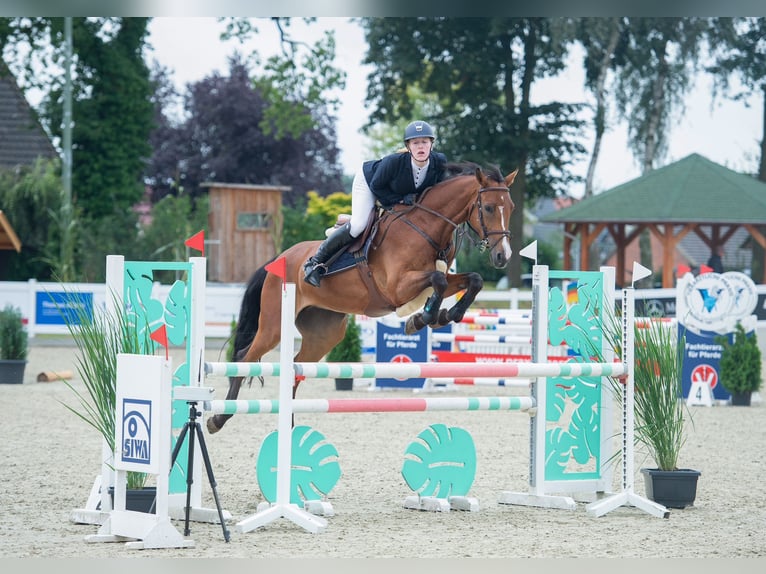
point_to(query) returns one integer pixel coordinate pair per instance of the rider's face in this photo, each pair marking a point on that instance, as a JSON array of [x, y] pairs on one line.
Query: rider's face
[[420, 148]]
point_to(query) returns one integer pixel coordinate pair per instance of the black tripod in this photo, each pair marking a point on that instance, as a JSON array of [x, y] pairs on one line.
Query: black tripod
[[197, 429]]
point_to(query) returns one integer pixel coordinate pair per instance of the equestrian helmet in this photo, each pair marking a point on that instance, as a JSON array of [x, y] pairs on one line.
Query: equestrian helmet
[[418, 129]]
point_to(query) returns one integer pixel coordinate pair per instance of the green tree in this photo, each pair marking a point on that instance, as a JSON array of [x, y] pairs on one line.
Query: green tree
[[739, 51], [656, 62], [481, 71]]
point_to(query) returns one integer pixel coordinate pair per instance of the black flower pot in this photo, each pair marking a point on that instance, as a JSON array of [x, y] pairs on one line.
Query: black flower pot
[[671, 488], [138, 499], [344, 384], [12, 371], [741, 399]]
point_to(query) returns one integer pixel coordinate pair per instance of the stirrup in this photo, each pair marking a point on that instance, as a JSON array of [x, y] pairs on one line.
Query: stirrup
[[313, 275]]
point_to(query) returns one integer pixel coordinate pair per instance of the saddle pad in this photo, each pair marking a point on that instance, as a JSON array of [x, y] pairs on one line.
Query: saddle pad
[[342, 263]]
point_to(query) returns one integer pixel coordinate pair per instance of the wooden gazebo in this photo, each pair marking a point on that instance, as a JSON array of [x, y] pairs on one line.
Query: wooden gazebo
[[692, 195]]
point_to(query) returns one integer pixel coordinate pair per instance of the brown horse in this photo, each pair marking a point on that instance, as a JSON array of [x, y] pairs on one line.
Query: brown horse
[[410, 250]]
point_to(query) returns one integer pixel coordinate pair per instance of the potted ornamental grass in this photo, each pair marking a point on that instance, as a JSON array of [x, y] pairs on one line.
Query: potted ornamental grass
[[13, 346], [740, 365], [660, 413], [99, 338], [349, 350]]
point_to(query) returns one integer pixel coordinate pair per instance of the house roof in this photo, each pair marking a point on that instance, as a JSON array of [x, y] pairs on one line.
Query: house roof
[[691, 190], [22, 138]]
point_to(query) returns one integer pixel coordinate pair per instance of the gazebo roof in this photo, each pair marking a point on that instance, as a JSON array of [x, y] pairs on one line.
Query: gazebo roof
[[691, 190]]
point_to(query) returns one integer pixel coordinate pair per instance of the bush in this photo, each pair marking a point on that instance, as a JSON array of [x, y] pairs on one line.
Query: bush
[[349, 350], [13, 336], [740, 366]]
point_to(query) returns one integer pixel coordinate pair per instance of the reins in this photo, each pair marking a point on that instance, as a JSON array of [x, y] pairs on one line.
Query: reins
[[441, 253]]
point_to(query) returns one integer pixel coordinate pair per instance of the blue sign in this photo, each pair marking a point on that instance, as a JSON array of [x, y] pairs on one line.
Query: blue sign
[[395, 346], [62, 308], [702, 358]]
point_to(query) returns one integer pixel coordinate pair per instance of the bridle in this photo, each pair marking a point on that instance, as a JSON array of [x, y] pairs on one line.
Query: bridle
[[484, 244]]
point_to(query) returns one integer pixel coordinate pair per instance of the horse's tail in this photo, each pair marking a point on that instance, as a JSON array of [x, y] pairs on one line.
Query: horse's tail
[[247, 325]]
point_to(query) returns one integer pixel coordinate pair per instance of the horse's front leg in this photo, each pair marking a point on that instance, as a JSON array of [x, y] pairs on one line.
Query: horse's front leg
[[472, 283], [430, 312]]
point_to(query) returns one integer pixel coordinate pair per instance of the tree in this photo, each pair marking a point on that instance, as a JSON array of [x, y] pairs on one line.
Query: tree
[[739, 51], [222, 139], [482, 72], [111, 107], [655, 63]]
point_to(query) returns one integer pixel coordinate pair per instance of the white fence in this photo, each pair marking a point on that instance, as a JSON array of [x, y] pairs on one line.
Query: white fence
[[37, 302]]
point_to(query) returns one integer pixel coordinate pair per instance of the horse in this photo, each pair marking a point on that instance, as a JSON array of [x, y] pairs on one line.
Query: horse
[[408, 254]]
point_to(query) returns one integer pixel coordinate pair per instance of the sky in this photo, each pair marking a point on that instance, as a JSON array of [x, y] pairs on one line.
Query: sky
[[727, 133]]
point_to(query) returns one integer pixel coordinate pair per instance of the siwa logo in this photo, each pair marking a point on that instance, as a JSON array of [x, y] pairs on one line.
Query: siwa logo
[[136, 431]]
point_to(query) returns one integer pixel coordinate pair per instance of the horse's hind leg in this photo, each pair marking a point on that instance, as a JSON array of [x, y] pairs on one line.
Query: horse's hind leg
[[430, 313]]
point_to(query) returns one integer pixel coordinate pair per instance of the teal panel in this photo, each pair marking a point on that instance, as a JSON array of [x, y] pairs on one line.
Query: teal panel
[[314, 471], [573, 448], [441, 462]]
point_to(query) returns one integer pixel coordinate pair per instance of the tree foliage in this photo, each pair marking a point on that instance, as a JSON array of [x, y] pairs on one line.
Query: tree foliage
[[222, 139], [482, 72]]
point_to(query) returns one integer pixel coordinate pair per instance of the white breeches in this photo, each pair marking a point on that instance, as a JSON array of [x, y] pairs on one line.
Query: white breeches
[[362, 203]]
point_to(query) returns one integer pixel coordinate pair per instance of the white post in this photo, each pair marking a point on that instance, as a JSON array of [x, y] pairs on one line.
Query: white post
[[627, 497], [282, 508]]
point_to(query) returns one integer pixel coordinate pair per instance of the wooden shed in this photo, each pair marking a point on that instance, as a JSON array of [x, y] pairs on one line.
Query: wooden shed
[[244, 229]]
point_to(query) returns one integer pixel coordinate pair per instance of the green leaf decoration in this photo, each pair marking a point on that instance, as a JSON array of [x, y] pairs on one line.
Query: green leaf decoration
[[314, 471], [441, 462], [177, 312]]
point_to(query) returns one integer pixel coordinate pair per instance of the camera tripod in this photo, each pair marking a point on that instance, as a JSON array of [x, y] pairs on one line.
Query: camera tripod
[[196, 429]]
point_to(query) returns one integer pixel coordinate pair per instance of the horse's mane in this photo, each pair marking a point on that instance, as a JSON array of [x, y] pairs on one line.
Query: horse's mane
[[455, 169]]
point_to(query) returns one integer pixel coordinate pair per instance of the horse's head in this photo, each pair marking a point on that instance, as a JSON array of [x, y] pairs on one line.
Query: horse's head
[[490, 216]]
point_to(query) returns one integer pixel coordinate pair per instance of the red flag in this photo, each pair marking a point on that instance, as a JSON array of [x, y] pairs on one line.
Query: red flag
[[197, 241], [683, 270], [161, 337], [705, 269], [279, 268]]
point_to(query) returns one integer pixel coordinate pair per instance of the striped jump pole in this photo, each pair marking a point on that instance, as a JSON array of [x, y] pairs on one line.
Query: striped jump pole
[[493, 320], [419, 370], [431, 370], [460, 338], [385, 405]]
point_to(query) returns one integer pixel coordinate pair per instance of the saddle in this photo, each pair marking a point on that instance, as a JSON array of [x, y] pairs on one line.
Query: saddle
[[355, 255]]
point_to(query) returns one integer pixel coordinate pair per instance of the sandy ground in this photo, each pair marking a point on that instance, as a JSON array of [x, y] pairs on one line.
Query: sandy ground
[[50, 458]]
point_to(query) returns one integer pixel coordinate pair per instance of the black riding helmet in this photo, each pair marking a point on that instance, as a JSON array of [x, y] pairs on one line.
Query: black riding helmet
[[418, 129]]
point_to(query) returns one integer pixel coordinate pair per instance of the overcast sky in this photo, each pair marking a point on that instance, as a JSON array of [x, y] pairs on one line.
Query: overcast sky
[[728, 134]]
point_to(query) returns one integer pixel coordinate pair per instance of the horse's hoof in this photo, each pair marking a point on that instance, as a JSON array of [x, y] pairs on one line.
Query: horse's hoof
[[212, 428], [413, 324]]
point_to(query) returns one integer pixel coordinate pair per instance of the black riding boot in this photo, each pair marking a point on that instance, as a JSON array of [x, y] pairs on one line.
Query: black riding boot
[[315, 266]]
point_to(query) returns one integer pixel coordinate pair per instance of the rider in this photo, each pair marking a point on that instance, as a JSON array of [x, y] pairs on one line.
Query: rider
[[395, 178]]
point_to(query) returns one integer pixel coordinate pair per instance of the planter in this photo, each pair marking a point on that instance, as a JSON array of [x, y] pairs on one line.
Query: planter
[[741, 399], [12, 371], [344, 384], [138, 500], [671, 488]]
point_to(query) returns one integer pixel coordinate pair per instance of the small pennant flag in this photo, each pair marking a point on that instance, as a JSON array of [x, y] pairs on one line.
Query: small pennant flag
[[705, 269], [279, 268], [197, 241], [161, 337], [683, 270], [530, 251], [640, 272]]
